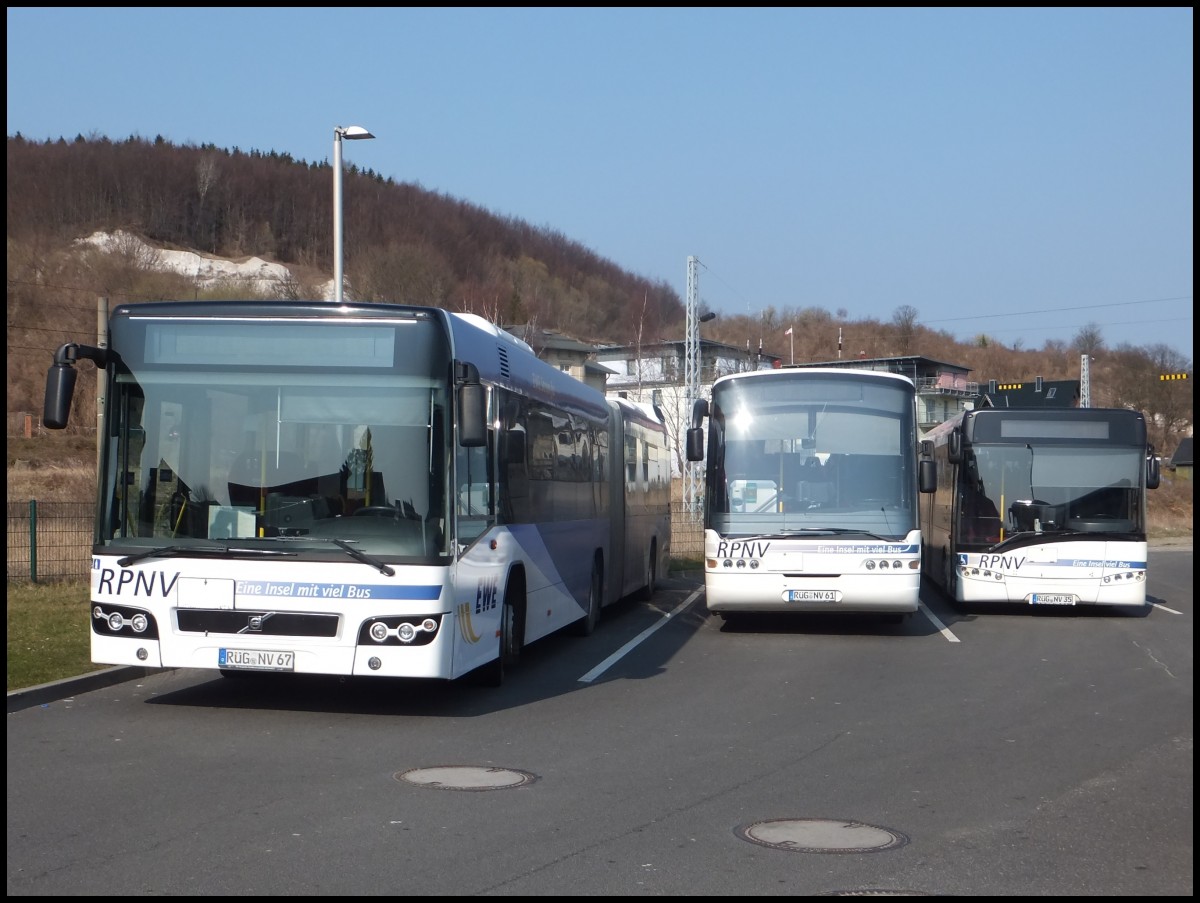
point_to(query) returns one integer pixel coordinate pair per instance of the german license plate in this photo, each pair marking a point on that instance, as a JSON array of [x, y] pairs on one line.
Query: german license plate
[[256, 660], [1052, 599], [810, 595]]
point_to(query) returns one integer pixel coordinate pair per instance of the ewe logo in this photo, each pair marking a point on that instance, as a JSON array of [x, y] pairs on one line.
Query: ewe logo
[[485, 600]]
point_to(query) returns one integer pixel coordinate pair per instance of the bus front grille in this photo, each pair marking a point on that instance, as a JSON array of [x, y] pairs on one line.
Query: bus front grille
[[256, 623]]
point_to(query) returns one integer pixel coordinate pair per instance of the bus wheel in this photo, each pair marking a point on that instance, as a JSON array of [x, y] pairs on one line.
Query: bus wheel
[[509, 651], [646, 593], [950, 576], [586, 625]]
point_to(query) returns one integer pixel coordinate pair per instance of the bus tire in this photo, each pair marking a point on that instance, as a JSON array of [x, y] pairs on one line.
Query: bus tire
[[509, 642], [586, 625], [646, 593], [949, 577]]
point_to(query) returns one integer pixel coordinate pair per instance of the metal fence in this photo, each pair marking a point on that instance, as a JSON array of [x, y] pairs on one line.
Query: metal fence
[[49, 540], [53, 540]]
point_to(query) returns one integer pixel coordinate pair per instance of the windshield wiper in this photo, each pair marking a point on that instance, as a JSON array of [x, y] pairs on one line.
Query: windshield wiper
[[199, 551], [1032, 537], [364, 558], [816, 531]]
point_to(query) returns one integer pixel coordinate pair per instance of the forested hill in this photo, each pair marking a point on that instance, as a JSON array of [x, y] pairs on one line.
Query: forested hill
[[405, 244]]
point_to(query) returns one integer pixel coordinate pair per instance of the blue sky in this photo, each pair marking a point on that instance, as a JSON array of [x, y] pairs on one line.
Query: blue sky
[[1015, 172]]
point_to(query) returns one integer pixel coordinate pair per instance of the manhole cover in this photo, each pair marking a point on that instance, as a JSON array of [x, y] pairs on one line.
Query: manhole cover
[[466, 777], [820, 835], [873, 892]]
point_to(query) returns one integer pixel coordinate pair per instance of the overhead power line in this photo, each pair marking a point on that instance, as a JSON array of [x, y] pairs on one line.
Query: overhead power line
[[1048, 310]]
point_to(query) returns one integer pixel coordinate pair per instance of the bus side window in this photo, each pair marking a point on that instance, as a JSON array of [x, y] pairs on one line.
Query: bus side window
[[474, 502]]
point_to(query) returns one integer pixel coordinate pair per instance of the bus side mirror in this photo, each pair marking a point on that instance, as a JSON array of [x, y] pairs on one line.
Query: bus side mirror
[[60, 381], [954, 451], [60, 389], [927, 475], [472, 406], [695, 434], [1153, 472]]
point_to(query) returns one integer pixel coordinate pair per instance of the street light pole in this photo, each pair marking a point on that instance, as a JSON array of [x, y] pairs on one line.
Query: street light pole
[[692, 363], [350, 133]]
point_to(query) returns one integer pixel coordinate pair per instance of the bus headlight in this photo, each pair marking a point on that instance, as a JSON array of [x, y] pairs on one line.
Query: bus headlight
[[123, 622], [394, 630]]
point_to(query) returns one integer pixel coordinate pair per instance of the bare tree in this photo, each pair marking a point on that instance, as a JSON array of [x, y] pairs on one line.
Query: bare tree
[[1089, 339], [206, 175], [637, 351], [905, 321]]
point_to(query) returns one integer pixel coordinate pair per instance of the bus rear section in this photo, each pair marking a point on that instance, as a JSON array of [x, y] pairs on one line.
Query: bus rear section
[[811, 487], [641, 500]]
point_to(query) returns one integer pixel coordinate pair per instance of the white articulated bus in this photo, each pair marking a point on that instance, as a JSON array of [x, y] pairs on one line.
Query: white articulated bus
[[1040, 506], [811, 482], [358, 489]]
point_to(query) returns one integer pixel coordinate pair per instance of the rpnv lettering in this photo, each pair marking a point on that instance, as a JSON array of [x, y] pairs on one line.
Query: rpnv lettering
[[1001, 562], [735, 548], [135, 583]]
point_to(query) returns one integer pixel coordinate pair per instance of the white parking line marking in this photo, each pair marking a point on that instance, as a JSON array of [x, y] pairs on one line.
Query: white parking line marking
[[620, 653], [945, 631]]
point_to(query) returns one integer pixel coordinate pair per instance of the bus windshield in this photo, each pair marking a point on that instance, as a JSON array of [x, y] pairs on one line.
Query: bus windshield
[[1011, 489], [299, 439], [817, 456]]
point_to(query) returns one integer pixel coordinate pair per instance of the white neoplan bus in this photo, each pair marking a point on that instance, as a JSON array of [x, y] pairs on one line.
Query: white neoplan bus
[[811, 481], [357, 489]]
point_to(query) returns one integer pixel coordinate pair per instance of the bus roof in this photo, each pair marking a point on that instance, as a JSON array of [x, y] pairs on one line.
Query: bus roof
[[804, 372]]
